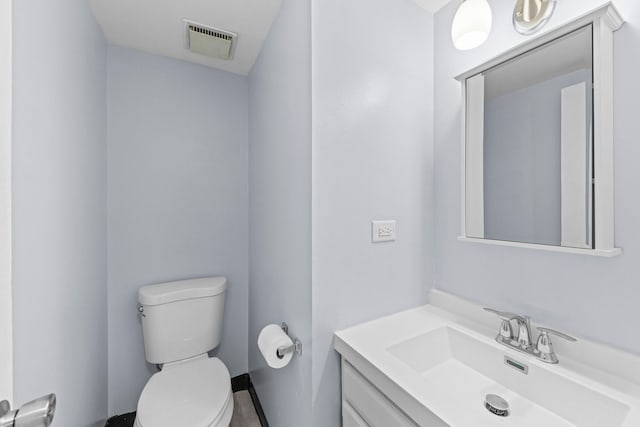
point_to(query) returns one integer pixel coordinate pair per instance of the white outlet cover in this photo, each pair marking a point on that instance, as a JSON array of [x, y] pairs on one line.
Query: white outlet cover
[[383, 231]]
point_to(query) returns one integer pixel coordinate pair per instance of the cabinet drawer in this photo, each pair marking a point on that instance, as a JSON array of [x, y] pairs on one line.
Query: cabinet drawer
[[371, 405], [350, 417]]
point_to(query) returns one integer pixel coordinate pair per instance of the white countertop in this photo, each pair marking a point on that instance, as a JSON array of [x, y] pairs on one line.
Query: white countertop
[[366, 347]]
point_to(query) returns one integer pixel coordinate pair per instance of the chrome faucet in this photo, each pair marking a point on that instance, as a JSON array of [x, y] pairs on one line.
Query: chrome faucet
[[524, 331], [543, 349]]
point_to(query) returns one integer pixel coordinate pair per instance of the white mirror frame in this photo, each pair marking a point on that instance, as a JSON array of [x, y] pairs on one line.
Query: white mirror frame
[[6, 328], [605, 21]]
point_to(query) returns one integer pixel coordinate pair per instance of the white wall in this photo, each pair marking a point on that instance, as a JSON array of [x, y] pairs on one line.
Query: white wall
[[59, 209], [280, 210], [6, 351], [178, 200], [372, 159], [585, 296]]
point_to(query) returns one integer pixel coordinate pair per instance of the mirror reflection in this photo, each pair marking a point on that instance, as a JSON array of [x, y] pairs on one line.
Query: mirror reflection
[[529, 146]]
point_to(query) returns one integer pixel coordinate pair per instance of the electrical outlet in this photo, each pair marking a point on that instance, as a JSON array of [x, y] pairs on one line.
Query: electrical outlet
[[383, 231]]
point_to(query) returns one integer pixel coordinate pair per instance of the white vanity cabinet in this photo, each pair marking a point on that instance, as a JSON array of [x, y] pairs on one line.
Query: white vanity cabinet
[[364, 405]]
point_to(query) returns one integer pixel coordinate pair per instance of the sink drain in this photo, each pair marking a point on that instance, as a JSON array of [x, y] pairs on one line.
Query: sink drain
[[496, 405]]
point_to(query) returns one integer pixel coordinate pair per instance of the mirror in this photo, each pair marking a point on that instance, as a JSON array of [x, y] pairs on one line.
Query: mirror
[[529, 146], [537, 148]]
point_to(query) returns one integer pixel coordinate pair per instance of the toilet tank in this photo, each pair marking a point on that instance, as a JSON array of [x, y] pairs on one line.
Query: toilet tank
[[181, 319]]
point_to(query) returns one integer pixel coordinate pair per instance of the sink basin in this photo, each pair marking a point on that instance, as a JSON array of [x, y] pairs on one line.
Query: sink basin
[[464, 369]]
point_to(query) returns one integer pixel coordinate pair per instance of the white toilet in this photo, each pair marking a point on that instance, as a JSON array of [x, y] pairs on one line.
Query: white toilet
[[181, 323]]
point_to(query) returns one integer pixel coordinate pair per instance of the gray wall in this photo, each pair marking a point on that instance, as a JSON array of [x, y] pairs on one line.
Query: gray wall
[[582, 295], [522, 185], [178, 200], [280, 210], [59, 209], [372, 159]]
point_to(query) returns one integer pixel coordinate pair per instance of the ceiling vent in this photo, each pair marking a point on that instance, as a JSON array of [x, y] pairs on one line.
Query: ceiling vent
[[209, 41]]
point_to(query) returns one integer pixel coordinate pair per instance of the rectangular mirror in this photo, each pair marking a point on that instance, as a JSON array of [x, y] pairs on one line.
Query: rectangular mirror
[[538, 141], [530, 168]]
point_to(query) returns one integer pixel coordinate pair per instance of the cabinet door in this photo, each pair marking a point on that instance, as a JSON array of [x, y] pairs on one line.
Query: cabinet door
[[350, 417], [371, 405]]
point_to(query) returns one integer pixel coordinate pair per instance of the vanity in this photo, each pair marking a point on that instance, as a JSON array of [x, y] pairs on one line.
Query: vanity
[[435, 365]]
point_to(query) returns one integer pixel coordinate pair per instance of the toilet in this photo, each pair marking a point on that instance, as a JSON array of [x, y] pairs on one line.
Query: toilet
[[181, 323]]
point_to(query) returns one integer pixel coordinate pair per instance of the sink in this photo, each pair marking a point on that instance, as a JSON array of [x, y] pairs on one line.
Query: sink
[[439, 364], [464, 368]]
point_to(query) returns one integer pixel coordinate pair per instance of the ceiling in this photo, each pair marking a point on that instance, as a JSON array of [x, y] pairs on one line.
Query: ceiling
[[156, 26], [431, 5]]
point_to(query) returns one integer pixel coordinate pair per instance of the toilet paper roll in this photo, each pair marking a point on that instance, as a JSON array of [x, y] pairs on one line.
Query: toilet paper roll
[[270, 339]]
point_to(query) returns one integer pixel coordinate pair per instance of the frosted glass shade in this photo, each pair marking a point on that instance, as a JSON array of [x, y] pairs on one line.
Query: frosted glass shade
[[471, 25]]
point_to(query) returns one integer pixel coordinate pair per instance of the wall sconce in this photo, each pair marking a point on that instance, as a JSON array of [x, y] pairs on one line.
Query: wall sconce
[[471, 24], [529, 16]]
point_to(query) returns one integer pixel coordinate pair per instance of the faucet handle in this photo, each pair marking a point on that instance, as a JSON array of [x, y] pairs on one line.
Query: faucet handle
[[506, 333], [556, 333], [504, 315], [545, 347]]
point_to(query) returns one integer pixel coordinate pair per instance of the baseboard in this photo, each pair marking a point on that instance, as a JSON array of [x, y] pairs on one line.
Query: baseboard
[[239, 383], [243, 382], [124, 420]]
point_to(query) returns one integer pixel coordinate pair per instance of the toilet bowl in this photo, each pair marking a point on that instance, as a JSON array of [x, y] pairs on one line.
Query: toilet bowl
[[193, 393], [181, 323]]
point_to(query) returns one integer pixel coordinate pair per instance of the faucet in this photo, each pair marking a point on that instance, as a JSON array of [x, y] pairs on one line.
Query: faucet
[[543, 349], [524, 331]]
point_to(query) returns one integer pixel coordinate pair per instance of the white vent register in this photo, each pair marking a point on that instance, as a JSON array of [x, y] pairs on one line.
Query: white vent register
[[209, 41]]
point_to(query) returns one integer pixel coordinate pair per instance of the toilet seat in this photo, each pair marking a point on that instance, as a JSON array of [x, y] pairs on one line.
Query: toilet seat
[[194, 393]]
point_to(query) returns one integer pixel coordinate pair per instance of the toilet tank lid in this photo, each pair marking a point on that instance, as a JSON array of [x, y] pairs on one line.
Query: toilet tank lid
[[163, 293]]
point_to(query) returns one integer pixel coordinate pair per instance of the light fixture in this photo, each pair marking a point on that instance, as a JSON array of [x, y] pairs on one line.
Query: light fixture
[[471, 24], [529, 16]]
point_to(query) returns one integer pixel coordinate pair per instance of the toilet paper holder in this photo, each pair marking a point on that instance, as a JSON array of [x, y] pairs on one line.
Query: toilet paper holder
[[296, 347]]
